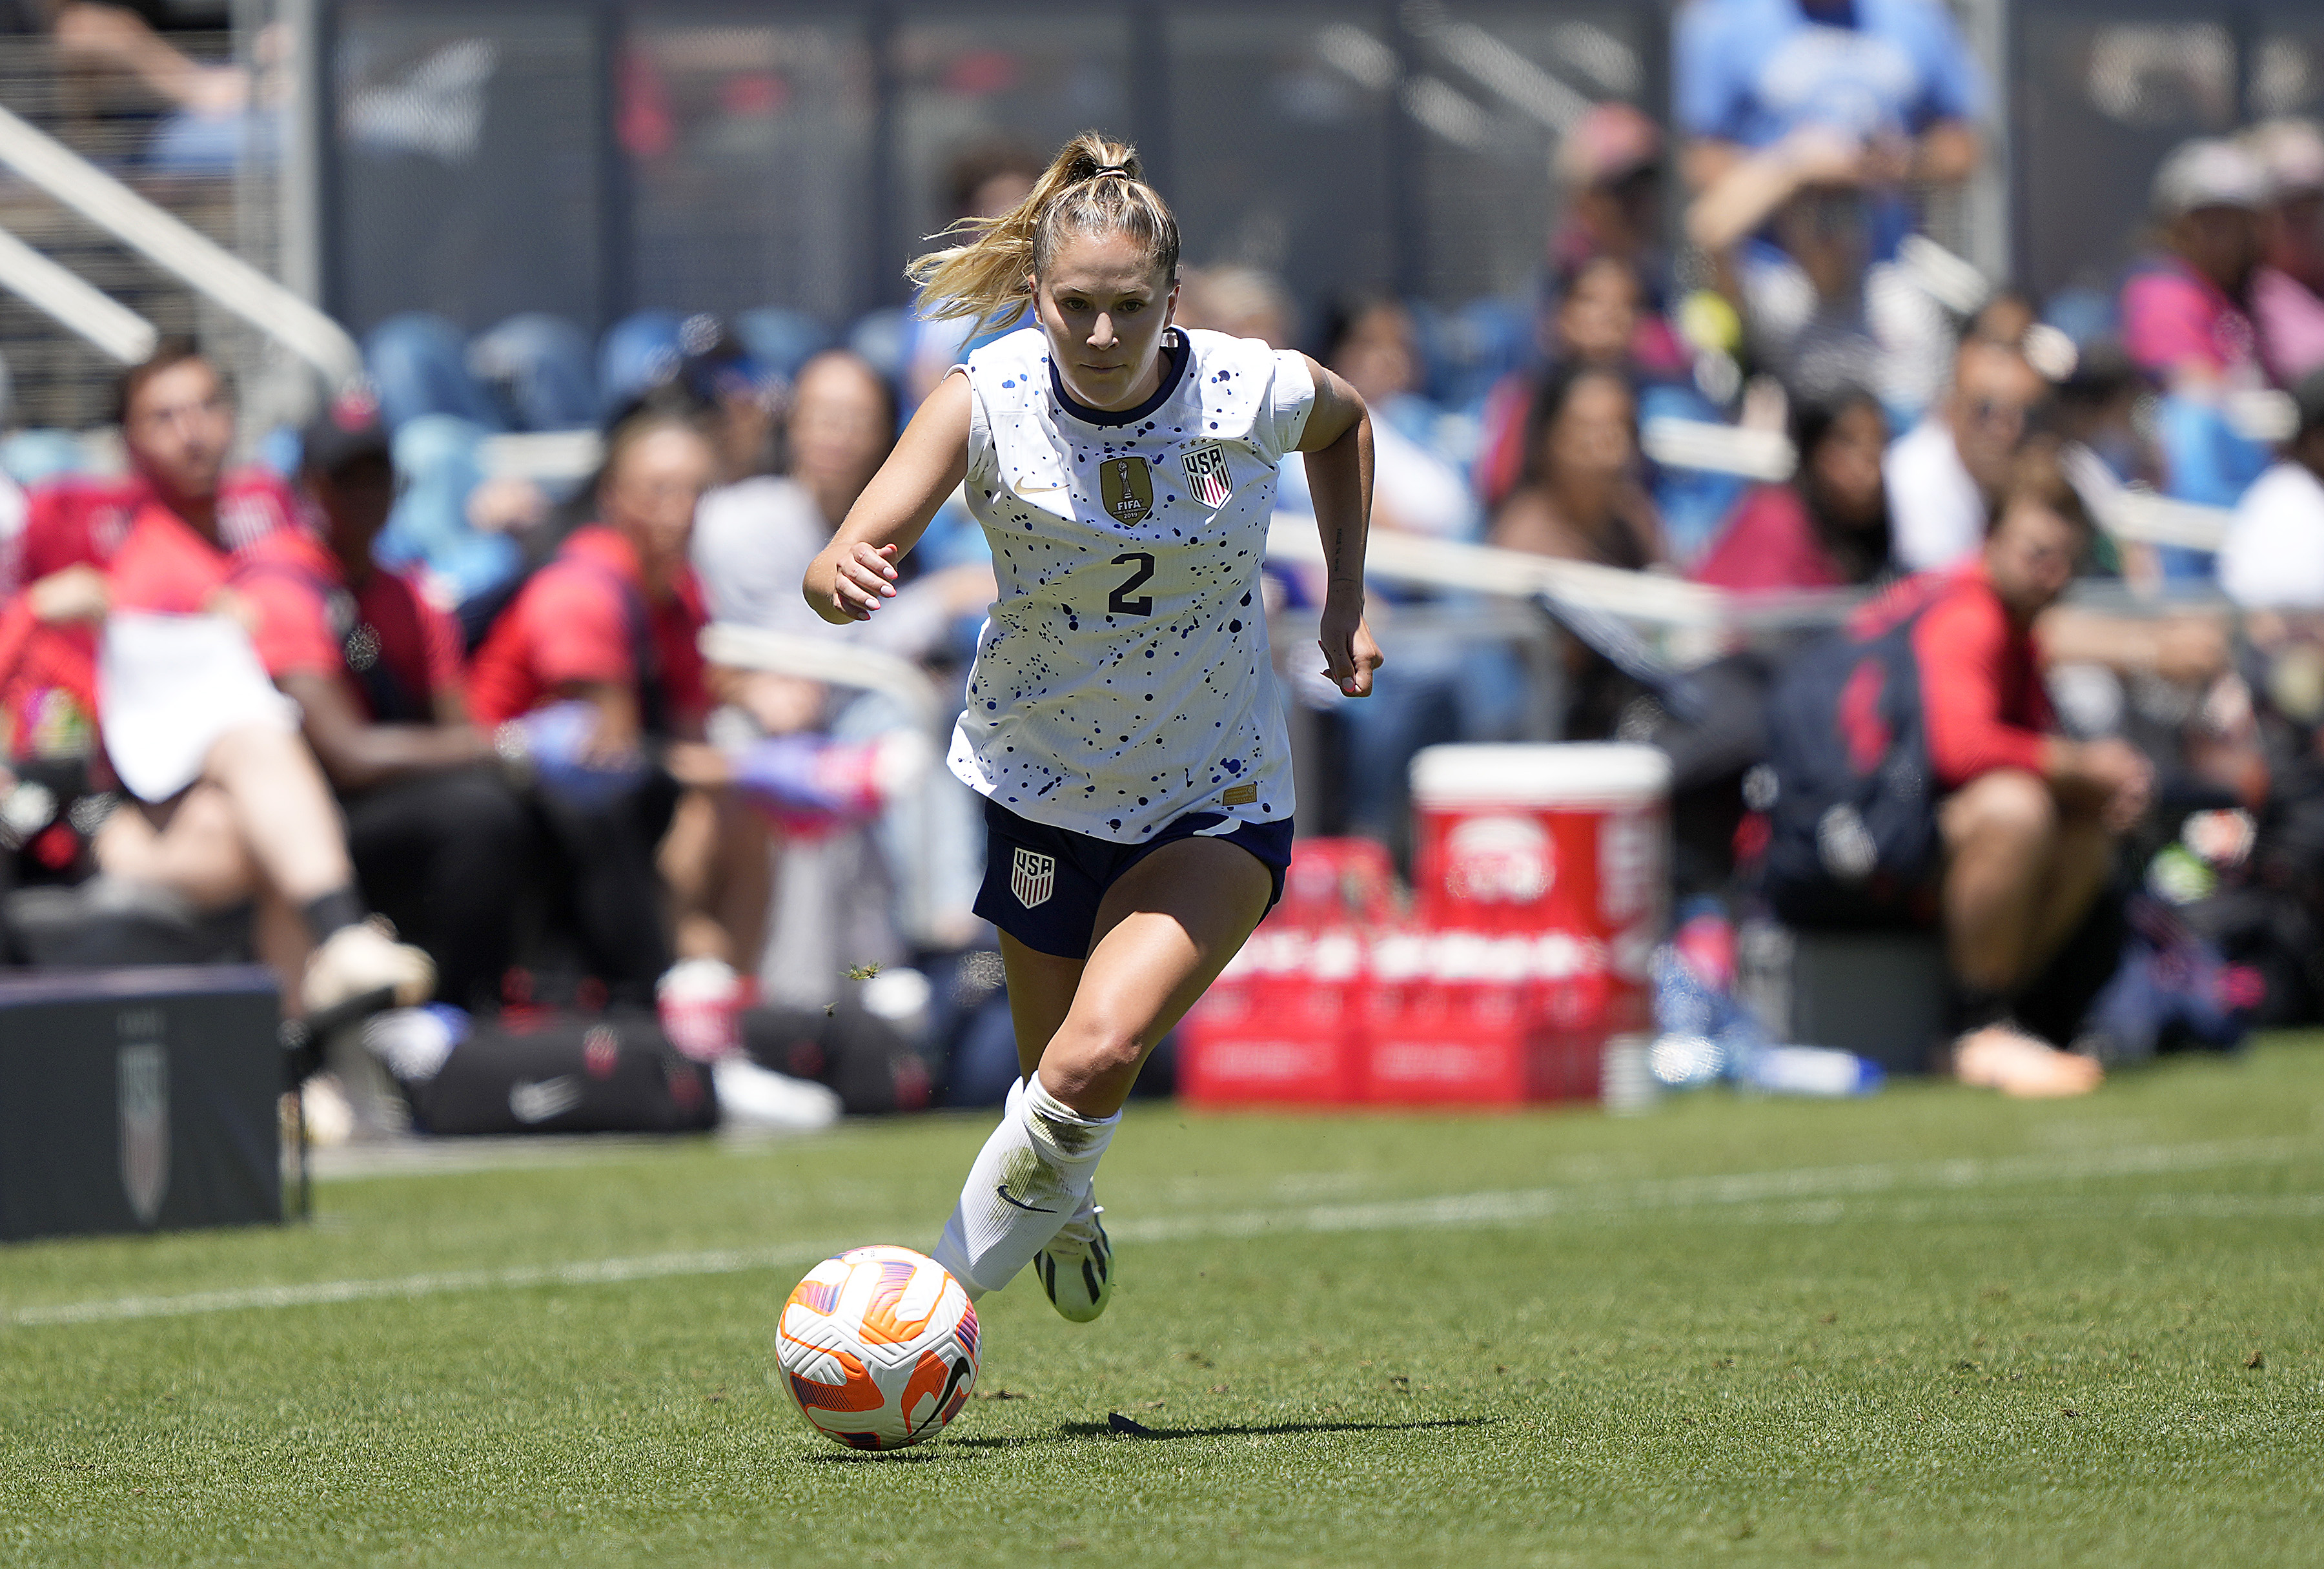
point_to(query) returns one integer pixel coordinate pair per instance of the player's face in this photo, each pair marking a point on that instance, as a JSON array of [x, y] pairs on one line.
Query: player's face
[[1104, 304], [179, 427]]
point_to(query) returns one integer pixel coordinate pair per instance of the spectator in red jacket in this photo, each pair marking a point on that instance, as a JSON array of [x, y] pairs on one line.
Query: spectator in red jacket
[[2029, 819], [247, 814], [441, 844], [593, 672]]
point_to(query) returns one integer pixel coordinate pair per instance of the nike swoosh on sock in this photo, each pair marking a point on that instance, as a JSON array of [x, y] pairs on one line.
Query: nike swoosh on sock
[[1019, 1204]]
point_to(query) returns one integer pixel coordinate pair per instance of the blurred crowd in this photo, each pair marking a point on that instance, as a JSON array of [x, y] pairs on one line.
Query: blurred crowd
[[504, 737]]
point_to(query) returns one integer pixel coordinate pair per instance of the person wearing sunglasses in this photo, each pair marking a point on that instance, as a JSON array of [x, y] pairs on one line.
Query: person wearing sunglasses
[[1945, 475]]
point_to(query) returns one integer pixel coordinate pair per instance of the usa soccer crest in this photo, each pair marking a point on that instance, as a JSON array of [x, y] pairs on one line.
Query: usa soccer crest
[[142, 1073], [1032, 878], [1206, 474]]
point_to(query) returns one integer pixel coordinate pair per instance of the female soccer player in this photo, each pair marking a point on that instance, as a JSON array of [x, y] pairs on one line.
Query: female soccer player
[[1122, 723]]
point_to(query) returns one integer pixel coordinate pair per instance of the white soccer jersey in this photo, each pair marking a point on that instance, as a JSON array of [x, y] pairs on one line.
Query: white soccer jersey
[[1123, 678]]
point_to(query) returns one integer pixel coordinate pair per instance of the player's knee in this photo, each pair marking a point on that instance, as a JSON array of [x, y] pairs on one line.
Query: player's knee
[[1093, 1053], [2007, 805]]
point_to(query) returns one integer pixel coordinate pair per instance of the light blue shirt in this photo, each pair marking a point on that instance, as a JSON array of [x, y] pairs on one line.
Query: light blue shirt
[[1754, 71]]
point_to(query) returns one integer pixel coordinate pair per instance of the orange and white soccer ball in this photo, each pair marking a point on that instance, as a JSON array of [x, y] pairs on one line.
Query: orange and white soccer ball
[[879, 1347]]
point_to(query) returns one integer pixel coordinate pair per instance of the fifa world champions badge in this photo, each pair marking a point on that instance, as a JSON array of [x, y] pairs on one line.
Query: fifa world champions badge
[[1206, 474], [1127, 489], [1032, 878]]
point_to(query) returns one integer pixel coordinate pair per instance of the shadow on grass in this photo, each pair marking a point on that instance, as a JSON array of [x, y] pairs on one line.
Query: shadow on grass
[[875, 1457], [1068, 1430]]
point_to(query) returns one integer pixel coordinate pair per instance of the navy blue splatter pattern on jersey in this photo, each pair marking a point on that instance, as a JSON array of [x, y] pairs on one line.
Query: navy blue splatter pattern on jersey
[[1123, 676]]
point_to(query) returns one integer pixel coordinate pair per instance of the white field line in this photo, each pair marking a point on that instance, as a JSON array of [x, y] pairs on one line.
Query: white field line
[[1807, 1196], [1521, 1206], [587, 1272]]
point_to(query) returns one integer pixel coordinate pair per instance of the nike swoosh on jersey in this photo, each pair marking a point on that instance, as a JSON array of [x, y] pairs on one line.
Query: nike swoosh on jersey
[[1037, 489], [1020, 1203]]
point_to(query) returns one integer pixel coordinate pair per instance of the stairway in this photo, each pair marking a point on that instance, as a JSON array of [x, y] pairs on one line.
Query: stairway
[[57, 380]]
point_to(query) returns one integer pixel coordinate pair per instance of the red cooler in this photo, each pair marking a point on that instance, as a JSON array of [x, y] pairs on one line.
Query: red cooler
[[1542, 838], [1572, 840], [1282, 1025]]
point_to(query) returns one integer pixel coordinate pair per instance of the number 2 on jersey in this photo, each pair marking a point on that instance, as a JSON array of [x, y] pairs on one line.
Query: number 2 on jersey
[[1118, 601]]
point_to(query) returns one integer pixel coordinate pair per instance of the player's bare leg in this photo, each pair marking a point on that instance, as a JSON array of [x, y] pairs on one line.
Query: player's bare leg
[[1164, 932]]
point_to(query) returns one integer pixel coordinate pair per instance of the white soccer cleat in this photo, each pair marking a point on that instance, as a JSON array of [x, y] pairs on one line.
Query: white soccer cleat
[[362, 958], [1077, 1268]]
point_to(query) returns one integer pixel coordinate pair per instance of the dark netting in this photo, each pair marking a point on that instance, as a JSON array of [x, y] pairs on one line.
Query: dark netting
[[748, 147], [966, 78], [1493, 89], [2098, 102], [471, 180], [1278, 142]]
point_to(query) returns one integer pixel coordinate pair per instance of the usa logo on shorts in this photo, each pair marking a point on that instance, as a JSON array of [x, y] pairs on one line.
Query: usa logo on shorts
[[1032, 878], [1206, 471]]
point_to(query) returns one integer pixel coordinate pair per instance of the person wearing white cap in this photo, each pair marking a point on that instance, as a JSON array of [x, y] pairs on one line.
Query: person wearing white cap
[[2287, 293], [2183, 315], [2186, 322]]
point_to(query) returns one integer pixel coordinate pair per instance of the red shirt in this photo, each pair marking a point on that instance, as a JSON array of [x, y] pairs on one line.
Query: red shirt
[[48, 674], [1769, 543], [82, 520], [306, 613], [572, 623], [1981, 694]]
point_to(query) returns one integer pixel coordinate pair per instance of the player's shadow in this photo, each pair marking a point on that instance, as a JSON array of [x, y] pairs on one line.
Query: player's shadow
[[1107, 1429]]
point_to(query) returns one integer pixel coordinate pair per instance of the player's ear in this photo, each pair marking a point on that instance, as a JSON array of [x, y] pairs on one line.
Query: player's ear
[[1170, 305]]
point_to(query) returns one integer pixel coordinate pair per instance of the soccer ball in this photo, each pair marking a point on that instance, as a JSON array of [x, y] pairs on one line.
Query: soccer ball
[[879, 1347]]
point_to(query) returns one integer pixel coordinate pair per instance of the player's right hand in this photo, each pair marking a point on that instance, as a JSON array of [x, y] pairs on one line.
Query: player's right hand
[[861, 578]]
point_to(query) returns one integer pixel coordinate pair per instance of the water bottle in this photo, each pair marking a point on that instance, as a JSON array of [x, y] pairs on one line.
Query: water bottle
[[1807, 1070]]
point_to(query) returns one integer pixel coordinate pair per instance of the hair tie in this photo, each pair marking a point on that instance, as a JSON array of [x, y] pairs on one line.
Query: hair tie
[[1123, 170]]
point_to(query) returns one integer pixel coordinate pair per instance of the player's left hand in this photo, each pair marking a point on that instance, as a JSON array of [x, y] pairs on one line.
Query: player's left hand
[[1350, 654]]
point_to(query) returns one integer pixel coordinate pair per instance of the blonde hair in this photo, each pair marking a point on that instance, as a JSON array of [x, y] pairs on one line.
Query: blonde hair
[[1091, 187]]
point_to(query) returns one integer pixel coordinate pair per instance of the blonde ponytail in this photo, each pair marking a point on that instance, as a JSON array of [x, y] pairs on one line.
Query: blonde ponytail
[[1092, 188]]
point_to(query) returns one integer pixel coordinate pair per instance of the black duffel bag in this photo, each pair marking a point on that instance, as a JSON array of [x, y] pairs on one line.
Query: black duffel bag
[[545, 1073]]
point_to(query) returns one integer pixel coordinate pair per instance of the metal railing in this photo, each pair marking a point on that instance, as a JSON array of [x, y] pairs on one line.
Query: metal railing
[[200, 263], [61, 295]]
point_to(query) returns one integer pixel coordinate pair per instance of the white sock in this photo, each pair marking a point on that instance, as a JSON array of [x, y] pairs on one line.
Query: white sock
[[1042, 1158]]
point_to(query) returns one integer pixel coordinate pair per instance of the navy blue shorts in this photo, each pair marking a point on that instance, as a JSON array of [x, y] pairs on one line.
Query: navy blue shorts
[[1042, 885]]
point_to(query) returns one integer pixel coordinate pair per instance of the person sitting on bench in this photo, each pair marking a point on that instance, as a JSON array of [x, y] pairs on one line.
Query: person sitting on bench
[[441, 844], [224, 803], [1919, 780]]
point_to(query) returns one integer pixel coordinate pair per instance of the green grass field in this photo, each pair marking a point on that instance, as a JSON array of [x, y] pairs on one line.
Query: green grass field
[[1933, 1327]]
